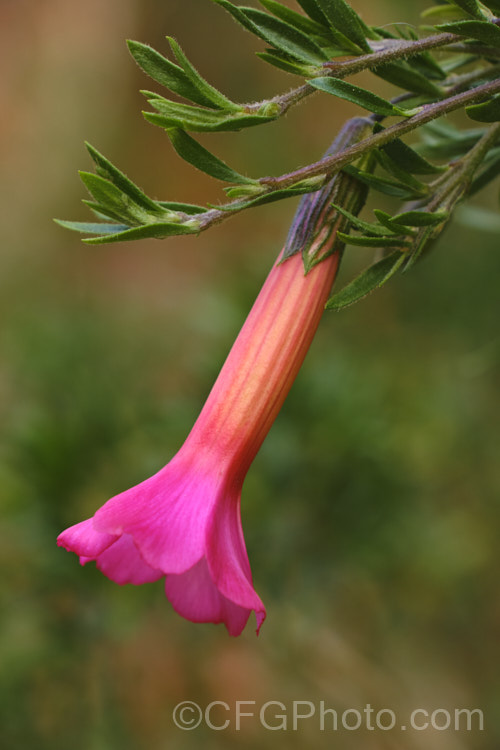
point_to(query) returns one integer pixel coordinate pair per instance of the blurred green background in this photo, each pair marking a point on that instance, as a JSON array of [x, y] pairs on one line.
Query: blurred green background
[[372, 512]]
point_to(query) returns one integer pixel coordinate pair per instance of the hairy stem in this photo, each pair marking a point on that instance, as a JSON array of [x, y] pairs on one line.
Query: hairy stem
[[390, 50], [427, 113]]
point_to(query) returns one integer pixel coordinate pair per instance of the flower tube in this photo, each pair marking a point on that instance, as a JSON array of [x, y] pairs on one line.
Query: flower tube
[[184, 522]]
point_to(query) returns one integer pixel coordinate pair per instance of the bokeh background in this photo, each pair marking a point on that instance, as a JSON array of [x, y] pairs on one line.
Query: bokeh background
[[372, 512]]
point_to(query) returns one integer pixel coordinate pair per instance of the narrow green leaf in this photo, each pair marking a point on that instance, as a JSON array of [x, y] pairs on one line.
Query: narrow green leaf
[[186, 208], [94, 207], [92, 227], [238, 15], [186, 112], [362, 241], [107, 170], [443, 12], [343, 18], [372, 278], [174, 115], [195, 154], [166, 73], [159, 231], [425, 63], [300, 22], [387, 221], [284, 62], [341, 44], [469, 6], [187, 117], [420, 246], [272, 197], [105, 213], [313, 11], [384, 33], [276, 32], [110, 197], [285, 37], [206, 89], [364, 226], [406, 157], [403, 176], [406, 31], [484, 31], [402, 75], [486, 111], [382, 184], [357, 95], [421, 218], [444, 141], [451, 64]]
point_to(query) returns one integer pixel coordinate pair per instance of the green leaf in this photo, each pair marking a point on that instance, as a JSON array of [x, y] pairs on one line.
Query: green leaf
[[206, 126], [444, 141], [177, 115], [343, 18], [486, 111], [159, 231], [108, 171], [108, 196], [312, 10], [364, 226], [382, 184], [271, 197], [420, 245], [406, 157], [284, 62], [186, 208], [195, 154], [372, 278], [387, 221], [285, 37], [421, 218], [238, 15], [471, 7], [362, 241], [300, 22], [105, 212], [442, 12], [402, 75], [484, 31], [92, 228], [166, 73], [357, 95], [425, 63], [276, 32], [206, 90], [392, 167]]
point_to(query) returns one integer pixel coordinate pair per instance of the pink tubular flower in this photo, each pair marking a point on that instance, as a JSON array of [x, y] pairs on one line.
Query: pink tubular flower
[[184, 522]]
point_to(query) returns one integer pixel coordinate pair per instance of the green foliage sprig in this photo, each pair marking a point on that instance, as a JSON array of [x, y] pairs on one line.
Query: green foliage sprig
[[452, 65]]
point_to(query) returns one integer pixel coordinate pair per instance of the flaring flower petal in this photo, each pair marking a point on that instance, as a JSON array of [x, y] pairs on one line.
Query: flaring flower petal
[[122, 563], [227, 557], [194, 595], [166, 515], [85, 540]]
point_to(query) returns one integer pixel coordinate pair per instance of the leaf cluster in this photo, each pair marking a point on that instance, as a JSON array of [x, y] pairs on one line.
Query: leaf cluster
[[452, 64]]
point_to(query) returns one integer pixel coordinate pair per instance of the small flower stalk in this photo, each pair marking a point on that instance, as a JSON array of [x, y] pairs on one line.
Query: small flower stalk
[[183, 524]]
